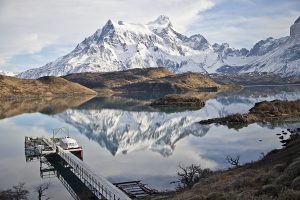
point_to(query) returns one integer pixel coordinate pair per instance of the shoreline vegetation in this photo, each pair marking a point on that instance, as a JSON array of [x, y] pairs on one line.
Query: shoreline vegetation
[[263, 112], [274, 176]]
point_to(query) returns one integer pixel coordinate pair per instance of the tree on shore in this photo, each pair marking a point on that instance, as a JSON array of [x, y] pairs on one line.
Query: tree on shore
[[234, 161], [190, 175]]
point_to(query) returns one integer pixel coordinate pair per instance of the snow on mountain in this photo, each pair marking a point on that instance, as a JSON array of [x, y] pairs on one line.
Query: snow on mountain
[[6, 73], [120, 46], [283, 58]]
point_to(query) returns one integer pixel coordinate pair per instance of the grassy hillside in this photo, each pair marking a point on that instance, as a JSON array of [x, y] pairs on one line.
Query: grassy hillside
[[275, 176], [45, 86], [110, 80], [144, 80]]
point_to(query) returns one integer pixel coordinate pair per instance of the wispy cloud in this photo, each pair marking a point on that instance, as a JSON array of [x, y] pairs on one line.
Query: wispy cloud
[[241, 23]]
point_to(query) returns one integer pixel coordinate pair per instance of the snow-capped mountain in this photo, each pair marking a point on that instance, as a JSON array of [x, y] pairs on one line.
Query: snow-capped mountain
[[120, 45], [6, 73]]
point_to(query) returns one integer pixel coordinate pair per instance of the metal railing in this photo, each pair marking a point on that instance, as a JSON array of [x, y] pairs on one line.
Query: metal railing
[[100, 186]]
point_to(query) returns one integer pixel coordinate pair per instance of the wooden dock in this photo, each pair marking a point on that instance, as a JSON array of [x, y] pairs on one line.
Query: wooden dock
[[135, 189], [103, 189], [100, 186]]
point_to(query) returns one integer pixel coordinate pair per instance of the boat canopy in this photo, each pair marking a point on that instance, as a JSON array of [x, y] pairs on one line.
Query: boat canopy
[[68, 143]]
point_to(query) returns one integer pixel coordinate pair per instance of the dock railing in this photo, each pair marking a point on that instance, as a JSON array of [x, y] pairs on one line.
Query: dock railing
[[99, 185]]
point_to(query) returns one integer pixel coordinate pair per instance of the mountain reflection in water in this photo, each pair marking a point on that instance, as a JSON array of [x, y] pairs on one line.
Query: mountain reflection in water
[[141, 127], [125, 139]]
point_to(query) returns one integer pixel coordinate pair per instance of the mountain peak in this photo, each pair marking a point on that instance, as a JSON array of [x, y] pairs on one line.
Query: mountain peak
[[109, 23], [120, 46], [297, 20], [161, 22], [163, 19]]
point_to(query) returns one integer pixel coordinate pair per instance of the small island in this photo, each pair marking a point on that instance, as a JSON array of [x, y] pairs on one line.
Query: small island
[[265, 111]]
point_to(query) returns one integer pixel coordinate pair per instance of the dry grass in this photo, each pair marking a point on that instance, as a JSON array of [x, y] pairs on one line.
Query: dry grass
[[45, 86], [110, 80], [276, 108], [253, 181], [145, 80], [175, 83]]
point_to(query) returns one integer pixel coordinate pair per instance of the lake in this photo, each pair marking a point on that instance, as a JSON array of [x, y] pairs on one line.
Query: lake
[[124, 139]]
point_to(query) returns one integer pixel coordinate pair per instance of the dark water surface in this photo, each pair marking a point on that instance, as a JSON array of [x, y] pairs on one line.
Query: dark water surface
[[124, 139]]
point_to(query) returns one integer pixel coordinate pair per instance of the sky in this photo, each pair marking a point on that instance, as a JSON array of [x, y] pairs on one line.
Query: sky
[[35, 32]]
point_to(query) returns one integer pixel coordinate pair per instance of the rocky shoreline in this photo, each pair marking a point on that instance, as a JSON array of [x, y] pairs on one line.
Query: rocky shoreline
[[272, 111]]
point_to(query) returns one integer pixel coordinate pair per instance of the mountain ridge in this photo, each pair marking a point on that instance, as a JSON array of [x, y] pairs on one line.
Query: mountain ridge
[[119, 46]]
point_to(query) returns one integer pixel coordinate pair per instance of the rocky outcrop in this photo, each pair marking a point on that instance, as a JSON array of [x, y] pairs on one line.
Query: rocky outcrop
[[262, 112], [295, 29], [178, 101]]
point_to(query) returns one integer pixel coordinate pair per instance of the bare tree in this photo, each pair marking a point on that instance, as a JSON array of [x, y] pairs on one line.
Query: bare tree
[[17, 192], [234, 161], [41, 189], [190, 175]]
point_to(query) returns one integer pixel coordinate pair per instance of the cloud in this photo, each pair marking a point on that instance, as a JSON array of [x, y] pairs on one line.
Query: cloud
[[243, 23], [29, 26]]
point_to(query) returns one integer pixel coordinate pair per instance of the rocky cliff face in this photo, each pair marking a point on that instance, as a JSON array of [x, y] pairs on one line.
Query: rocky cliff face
[[295, 29]]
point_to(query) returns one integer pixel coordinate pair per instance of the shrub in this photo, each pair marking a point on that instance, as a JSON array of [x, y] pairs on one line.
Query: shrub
[[190, 175]]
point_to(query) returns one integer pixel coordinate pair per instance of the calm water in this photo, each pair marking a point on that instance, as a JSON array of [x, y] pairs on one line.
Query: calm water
[[124, 139]]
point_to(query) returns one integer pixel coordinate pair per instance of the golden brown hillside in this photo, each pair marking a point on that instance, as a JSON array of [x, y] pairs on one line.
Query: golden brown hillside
[[145, 80], [42, 87], [109, 80], [176, 83]]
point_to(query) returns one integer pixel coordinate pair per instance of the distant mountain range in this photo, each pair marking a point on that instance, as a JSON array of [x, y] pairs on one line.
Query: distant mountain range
[[120, 46]]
